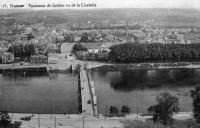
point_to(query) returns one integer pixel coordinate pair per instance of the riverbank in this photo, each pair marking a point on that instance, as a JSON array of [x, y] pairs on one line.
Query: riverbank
[[76, 120], [66, 66], [148, 66]]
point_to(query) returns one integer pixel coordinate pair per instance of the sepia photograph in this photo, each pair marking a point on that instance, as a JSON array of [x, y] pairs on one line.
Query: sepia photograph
[[99, 63]]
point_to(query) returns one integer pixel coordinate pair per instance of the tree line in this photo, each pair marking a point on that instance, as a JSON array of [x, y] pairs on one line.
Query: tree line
[[138, 52], [79, 47], [22, 51]]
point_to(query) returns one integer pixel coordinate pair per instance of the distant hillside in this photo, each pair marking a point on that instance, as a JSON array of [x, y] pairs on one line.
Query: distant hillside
[[104, 16]]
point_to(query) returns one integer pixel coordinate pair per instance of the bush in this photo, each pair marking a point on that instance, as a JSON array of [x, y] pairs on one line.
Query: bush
[[114, 111], [5, 121], [125, 110]]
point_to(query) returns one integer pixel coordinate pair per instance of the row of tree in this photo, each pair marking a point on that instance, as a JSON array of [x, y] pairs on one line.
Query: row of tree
[[166, 106], [138, 52], [79, 47], [22, 51], [114, 111]]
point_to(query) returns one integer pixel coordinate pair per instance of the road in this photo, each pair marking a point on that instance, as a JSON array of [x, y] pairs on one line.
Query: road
[[87, 106], [65, 121]]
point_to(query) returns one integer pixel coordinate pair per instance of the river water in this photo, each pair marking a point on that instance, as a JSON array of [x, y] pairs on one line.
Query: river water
[[40, 92], [138, 88]]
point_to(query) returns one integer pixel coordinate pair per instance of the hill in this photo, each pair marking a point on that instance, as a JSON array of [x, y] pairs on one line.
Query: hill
[[172, 17]]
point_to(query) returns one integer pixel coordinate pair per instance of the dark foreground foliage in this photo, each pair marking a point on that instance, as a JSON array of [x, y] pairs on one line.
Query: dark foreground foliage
[[195, 94], [6, 122], [163, 111]]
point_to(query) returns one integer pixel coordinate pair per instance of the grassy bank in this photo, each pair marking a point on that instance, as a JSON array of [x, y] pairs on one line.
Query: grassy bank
[[149, 124]]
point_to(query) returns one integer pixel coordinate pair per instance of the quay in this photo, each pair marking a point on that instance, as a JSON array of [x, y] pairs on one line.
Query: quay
[[18, 66]]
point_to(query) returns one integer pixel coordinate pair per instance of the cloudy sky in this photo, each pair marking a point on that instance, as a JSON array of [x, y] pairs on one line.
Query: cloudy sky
[[117, 3]]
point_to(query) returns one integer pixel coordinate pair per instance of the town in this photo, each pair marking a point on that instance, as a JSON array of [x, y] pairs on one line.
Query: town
[[99, 68], [45, 43]]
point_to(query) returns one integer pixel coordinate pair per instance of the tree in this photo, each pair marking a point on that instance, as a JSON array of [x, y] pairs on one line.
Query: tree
[[114, 111], [138, 52], [22, 51], [195, 94], [163, 111], [79, 47], [6, 122], [69, 37], [85, 37], [125, 110], [30, 36]]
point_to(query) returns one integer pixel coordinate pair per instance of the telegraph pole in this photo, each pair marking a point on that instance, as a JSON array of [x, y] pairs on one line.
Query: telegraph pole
[[12, 110], [55, 122], [51, 109], [106, 111], [137, 111], [83, 121], [38, 121]]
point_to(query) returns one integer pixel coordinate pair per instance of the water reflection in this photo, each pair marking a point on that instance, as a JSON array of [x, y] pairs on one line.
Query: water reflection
[[38, 92], [23, 74], [143, 79], [140, 87]]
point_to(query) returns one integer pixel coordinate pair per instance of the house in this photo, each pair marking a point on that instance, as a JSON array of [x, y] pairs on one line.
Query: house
[[82, 55], [77, 38], [92, 56], [93, 51], [103, 56]]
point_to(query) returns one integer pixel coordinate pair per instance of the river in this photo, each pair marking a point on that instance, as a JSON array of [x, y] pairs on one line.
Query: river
[[138, 88], [40, 92]]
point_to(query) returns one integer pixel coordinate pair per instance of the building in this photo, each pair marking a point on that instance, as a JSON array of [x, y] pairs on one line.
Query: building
[[91, 46], [102, 56], [92, 56], [52, 48], [53, 58], [38, 59], [82, 55], [66, 48]]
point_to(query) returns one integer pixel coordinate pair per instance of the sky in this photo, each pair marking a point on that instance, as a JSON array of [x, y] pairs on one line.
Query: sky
[[114, 3]]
